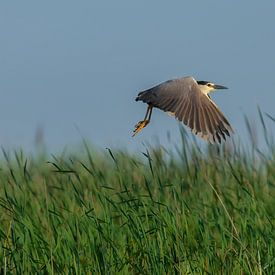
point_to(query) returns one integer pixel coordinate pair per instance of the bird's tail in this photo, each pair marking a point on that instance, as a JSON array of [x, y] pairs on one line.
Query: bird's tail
[[139, 96], [144, 96]]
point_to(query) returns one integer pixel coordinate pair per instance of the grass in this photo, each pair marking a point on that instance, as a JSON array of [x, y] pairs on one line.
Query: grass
[[185, 211]]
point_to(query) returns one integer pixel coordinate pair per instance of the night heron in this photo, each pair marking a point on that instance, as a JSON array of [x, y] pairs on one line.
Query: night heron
[[188, 100]]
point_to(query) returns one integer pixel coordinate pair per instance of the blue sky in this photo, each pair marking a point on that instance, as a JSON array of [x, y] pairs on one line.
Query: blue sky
[[73, 68]]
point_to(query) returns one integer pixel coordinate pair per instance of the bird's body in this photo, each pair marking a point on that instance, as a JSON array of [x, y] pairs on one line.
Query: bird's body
[[188, 100]]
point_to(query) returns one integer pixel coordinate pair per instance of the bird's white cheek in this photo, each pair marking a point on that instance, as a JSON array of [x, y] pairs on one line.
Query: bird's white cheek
[[205, 90]]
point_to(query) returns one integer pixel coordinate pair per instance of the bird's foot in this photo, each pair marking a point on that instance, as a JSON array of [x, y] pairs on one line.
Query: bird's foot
[[139, 126]]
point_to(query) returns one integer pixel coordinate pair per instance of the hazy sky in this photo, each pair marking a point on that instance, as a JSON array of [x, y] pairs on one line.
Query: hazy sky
[[73, 68]]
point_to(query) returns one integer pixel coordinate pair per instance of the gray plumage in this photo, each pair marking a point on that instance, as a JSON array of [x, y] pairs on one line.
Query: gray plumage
[[185, 100]]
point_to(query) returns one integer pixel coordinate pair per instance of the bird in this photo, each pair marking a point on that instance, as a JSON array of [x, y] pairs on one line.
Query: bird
[[188, 100]]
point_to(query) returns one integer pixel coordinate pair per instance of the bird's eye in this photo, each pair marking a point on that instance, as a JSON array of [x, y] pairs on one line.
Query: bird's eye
[[209, 85]]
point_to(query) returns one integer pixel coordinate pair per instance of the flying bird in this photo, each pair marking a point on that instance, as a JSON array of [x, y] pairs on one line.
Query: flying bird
[[188, 101]]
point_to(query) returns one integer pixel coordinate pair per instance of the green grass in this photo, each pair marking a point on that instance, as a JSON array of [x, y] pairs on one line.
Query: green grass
[[184, 211]]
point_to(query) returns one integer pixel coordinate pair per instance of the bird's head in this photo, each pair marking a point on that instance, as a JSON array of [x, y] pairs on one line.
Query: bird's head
[[206, 87]]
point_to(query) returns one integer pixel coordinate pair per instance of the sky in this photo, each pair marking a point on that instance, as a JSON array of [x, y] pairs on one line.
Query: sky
[[71, 69]]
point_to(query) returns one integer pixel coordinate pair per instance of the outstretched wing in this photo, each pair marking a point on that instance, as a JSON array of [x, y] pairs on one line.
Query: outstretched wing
[[183, 98]]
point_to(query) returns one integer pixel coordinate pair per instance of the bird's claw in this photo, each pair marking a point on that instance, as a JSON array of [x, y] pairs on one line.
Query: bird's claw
[[139, 126]]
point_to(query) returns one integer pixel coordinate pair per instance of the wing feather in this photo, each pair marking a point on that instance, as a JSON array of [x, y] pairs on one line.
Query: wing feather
[[184, 98]]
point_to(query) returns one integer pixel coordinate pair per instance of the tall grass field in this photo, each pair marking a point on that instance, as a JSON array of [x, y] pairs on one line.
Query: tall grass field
[[188, 210]]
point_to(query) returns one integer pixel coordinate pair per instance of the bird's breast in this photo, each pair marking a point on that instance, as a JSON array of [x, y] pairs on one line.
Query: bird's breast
[[170, 114]]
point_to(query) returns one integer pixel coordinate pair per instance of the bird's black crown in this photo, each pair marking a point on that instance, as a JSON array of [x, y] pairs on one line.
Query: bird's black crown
[[202, 82]]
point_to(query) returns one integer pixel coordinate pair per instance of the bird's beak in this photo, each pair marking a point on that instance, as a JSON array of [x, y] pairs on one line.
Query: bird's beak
[[217, 87]]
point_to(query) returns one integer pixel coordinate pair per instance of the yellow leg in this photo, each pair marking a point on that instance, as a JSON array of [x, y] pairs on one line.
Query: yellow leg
[[143, 123]]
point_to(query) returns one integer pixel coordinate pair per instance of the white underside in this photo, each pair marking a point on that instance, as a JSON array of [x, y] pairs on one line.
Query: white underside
[[170, 114]]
